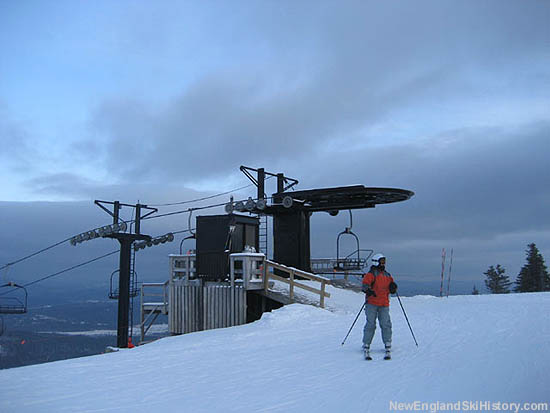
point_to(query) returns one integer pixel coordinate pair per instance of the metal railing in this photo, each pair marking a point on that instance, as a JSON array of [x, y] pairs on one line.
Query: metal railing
[[152, 309], [183, 267], [248, 267], [346, 266]]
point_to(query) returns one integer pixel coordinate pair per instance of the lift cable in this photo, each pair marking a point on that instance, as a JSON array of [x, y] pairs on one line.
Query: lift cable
[[202, 199], [68, 239], [184, 211], [72, 268], [80, 265], [128, 222], [67, 270], [40, 251], [35, 253]]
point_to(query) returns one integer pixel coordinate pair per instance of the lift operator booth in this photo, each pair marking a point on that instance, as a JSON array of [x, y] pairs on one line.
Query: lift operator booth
[[220, 236]]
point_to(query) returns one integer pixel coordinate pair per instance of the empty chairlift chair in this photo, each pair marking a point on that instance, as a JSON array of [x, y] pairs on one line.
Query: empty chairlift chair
[[113, 290], [13, 299], [353, 261]]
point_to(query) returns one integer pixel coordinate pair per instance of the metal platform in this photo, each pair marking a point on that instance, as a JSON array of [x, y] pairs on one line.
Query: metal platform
[[161, 308]]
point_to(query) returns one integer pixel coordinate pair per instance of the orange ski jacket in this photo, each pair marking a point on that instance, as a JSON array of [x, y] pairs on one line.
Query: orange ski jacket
[[379, 281]]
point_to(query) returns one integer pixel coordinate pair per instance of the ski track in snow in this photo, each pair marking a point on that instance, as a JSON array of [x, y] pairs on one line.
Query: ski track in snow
[[486, 348]]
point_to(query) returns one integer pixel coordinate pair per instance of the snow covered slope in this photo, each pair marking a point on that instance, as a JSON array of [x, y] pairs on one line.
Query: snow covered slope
[[471, 348]]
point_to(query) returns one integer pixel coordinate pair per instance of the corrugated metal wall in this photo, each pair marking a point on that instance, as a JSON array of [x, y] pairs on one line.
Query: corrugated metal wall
[[195, 308]]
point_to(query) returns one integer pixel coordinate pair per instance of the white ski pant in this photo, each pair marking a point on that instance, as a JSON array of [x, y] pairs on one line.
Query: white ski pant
[[383, 314]]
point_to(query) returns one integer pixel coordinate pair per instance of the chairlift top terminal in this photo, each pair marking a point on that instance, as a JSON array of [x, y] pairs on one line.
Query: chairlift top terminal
[[329, 200], [291, 211]]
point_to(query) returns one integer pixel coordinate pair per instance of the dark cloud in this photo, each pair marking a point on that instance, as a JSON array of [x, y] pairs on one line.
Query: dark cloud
[[220, 123], [481, 192], [323, 74], [475, 175]]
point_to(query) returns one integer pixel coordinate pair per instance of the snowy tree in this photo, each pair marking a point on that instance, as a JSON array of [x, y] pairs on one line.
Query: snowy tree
[[475, 291], [496, 281], [533, 275]]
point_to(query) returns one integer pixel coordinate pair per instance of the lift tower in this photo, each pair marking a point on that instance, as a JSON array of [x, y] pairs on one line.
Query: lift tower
[[126, 240]]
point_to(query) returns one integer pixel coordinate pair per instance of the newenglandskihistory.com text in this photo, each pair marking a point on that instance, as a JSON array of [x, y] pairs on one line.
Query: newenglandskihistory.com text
[[467, 406]]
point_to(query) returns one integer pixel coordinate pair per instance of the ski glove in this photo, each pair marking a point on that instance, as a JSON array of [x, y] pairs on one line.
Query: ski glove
[[393, 288], [370, 292]]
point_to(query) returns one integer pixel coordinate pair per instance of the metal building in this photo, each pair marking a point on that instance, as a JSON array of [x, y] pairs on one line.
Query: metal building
[[220, 235]]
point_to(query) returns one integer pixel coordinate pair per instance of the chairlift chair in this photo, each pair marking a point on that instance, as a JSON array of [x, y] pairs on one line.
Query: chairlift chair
[[362, 262], [350, 263], [347, 263], [113, 290], [13, 304]]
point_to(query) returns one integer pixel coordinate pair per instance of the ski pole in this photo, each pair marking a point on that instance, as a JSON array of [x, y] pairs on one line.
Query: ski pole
[[406, 318], [351, 328]]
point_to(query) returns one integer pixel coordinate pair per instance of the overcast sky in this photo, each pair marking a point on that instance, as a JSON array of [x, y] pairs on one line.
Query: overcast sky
[[163, 101]]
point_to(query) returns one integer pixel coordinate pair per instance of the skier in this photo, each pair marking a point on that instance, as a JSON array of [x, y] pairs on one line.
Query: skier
[[378, 284]]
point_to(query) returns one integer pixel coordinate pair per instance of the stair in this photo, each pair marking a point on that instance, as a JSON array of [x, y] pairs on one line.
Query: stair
[[150, 310]]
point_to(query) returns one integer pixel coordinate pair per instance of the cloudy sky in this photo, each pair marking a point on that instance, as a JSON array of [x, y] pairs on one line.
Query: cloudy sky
[[163, 101]]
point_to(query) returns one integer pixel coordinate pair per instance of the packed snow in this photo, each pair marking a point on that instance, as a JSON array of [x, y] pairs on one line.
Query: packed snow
[[472, 349]]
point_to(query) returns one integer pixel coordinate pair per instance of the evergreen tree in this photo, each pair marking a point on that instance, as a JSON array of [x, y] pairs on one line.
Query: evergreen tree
[[497, 282], [475, 291], [533, 275]]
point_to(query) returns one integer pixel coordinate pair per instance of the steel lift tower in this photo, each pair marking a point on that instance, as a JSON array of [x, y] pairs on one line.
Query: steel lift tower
[[126, 239]]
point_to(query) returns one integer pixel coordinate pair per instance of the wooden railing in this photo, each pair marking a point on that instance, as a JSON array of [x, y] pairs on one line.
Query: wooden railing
[[292, 282]]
